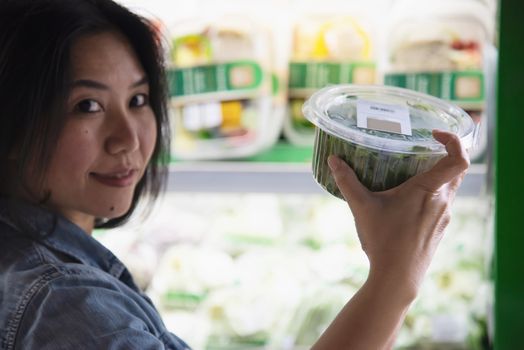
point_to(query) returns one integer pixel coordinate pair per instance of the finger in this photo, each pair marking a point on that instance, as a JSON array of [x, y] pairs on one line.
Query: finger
[[347, 182], [454, 185], [449, 167]]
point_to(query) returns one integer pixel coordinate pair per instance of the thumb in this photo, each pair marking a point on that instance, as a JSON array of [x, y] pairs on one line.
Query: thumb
[[347, 181]]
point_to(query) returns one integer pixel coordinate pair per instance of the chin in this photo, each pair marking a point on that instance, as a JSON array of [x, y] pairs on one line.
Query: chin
[[112, 214], [112, 210]]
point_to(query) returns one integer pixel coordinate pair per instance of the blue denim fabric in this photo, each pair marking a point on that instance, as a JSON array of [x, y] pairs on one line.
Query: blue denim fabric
[[61, 289]]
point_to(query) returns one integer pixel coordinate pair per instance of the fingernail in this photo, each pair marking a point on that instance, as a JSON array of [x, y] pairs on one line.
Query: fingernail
[[333, 162]]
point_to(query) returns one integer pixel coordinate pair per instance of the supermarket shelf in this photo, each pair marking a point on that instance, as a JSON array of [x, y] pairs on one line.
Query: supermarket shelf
[[272, 177], [242, 177]]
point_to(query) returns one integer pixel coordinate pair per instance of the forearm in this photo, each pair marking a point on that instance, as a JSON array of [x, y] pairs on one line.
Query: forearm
[[371, 319]]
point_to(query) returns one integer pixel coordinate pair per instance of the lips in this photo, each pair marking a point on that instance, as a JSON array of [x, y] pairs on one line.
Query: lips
[[120, 178]]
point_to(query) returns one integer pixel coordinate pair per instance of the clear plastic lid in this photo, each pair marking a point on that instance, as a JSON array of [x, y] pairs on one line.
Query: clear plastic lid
[[388, 118]]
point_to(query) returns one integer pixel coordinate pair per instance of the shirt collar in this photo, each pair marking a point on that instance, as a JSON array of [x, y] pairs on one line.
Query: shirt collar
[[58, 233]]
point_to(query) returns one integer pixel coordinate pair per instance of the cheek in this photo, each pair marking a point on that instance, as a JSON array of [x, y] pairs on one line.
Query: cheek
[[73, 155], [148, 136]]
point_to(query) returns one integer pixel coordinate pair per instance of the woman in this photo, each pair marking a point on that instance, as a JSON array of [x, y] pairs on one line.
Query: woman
[[84, 131]]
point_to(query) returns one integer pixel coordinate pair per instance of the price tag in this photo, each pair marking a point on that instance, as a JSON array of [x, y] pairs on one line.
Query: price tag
[[383, 117]]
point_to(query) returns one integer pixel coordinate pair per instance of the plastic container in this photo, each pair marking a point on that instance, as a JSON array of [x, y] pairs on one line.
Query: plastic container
[[383, 133], [223, 99], [328, 47]]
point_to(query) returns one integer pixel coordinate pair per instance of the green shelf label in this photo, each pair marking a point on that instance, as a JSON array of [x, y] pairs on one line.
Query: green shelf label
[[204, 79], [458, 86], [315, 75]]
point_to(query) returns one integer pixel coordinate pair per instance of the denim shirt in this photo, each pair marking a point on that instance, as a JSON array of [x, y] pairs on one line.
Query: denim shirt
[[61, 289]]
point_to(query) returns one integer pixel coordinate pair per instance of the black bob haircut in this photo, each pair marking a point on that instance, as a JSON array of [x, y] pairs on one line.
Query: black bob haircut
[[36, 37]]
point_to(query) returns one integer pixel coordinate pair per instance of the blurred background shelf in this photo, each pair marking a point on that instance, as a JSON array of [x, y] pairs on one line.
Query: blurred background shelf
[[282, 169]]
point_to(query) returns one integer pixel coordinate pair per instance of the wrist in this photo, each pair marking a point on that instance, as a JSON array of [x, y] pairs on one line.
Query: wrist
[[398, 286]]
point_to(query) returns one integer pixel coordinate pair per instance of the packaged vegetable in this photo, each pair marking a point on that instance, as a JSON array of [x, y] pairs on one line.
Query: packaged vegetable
[[221, 86], [327, 48], [439, 48], [383, 133]]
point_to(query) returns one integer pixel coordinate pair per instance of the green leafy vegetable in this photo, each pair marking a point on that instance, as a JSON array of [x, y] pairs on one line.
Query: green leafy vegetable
[[378, 170]]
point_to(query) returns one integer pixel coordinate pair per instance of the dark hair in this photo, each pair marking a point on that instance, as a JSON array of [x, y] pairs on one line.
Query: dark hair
[[35, 70]]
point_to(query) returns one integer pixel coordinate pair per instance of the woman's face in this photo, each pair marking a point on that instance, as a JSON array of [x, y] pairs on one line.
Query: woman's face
[[109, 135]]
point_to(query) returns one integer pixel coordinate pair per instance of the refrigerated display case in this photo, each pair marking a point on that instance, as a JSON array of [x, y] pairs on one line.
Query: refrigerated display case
[[224, 254]]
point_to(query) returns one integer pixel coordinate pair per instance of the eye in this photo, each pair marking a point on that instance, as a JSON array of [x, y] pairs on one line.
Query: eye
[[88, 106], [139, 100]]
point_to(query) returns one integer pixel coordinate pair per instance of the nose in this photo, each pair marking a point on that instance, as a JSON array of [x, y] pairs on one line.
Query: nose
[[122, 134]]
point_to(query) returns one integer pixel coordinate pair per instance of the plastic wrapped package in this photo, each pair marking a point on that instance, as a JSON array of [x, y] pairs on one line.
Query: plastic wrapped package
[[256, 223], [328, 47], [187, 273], [256, 309], [439, 48], [223, 92], [383, 133], [318, 308]]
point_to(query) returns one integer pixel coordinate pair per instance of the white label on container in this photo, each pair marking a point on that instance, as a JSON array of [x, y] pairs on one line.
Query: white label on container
[[383, 117]]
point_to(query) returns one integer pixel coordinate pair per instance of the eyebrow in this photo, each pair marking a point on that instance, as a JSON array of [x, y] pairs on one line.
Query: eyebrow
[[97, 85]]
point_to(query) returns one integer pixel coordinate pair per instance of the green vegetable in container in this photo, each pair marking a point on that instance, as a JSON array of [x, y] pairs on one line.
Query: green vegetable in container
[[381, 159]]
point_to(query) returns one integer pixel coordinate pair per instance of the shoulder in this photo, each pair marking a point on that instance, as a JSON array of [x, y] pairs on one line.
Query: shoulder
[[23, 271], [88, 310], [50, 302], [28, 269], [71, 306], [80, 308]]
